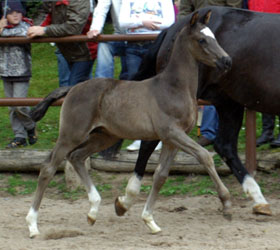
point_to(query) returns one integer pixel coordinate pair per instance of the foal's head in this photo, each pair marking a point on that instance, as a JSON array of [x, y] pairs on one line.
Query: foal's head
[[204, 46]]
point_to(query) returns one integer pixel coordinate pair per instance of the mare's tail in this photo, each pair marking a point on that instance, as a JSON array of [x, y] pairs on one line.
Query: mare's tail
[[38, 112]]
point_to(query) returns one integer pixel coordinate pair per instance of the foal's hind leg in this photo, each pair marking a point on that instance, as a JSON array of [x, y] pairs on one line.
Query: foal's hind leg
[[168, 153], [179, 138], [46, 174], [95, 143]]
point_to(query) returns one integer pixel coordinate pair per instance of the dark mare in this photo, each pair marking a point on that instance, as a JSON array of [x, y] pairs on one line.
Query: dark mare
[[252, 40], [97, 113]]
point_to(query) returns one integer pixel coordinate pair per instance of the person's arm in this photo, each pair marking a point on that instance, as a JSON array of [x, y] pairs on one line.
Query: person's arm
[[99, 17], [78, 12], [77, 15], [234, 3], [152, 23], [3, 23]]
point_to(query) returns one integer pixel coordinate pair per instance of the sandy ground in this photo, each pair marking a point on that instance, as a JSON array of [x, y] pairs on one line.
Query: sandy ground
[[187, 223]]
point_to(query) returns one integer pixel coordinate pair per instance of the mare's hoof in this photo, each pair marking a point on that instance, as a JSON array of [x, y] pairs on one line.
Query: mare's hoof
[[119, 208], [90, 220], [263, 209]]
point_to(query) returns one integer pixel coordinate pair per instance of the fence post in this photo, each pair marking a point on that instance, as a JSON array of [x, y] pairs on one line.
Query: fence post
[[251, 159]]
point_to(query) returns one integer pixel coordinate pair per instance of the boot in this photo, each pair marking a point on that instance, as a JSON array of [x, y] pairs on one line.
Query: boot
[[275, 143], [267, 129]]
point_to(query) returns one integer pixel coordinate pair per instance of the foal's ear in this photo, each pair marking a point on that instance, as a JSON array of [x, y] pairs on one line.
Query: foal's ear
[[207, 17], [194, 19]]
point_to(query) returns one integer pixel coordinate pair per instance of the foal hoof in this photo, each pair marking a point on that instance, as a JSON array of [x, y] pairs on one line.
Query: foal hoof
[[90, 220], [34, 235], [263, 209], [119, 208], [227, 215]]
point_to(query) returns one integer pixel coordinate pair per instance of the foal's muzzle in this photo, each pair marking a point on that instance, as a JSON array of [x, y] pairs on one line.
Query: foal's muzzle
[[224, 63]]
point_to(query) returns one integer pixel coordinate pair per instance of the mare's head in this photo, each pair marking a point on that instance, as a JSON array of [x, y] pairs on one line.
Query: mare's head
[[204, 46]]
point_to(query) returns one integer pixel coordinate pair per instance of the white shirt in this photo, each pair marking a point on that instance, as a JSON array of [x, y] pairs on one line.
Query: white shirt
[[100, 14], [134, 12]]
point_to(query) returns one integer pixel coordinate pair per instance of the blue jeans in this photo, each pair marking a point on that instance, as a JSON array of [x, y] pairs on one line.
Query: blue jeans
[[131, 56], [80, 71], [210, 123], [63, 69], [72, 73], [105, 59], [134, 55]]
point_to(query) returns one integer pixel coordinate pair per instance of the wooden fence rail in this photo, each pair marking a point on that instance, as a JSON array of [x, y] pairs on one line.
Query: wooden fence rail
[[251, 162]]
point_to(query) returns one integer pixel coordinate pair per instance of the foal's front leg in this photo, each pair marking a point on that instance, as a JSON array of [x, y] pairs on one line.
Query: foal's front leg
[[180, 139], [161, 173]]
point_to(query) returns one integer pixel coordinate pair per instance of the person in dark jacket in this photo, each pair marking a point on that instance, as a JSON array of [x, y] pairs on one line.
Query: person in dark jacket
[[15, 71], [70, 18]]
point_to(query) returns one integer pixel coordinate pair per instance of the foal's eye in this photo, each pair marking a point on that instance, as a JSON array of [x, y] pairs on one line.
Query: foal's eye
[[201, 41]]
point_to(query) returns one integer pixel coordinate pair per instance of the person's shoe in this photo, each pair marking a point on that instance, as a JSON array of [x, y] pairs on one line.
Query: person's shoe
[[17, 142], [266, 137], [134, 146], [203, 141], [275, 143], [159, 146], [32, 138]]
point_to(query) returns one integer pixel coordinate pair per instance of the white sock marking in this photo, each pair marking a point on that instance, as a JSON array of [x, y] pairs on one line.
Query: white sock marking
[[251, 187], [94, 199], [131, 192], [31, 220]]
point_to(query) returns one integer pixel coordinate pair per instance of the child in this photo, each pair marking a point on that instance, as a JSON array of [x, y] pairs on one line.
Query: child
[[15, 71]]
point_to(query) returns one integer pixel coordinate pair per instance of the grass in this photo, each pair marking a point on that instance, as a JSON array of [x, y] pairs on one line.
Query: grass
[[178, 185]]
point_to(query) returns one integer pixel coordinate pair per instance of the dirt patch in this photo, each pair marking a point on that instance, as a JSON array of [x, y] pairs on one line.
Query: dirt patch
[[187, 222]]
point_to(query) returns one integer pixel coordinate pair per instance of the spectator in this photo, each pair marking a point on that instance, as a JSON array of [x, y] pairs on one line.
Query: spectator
[[144, 17], [107, 51], [70, 18], [268, 120], [210, 119], [15, 71]]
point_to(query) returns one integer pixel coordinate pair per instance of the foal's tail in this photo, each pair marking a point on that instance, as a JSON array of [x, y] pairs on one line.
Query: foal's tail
[[38, 112]]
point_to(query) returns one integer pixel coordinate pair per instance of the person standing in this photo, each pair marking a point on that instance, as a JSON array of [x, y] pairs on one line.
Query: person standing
[[210, 120], [15, 71], [69, 18], [107, 51]]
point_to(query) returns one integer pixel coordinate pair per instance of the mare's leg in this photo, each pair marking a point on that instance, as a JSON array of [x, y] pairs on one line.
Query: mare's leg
[[46, 174], [123, 203], [168, 153], [181, 140], [230, 122], [96, 142]]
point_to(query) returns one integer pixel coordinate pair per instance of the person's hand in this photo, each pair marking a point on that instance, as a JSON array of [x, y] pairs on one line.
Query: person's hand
[[93, 33], [35, 31], [151, 25], [3, 22]]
